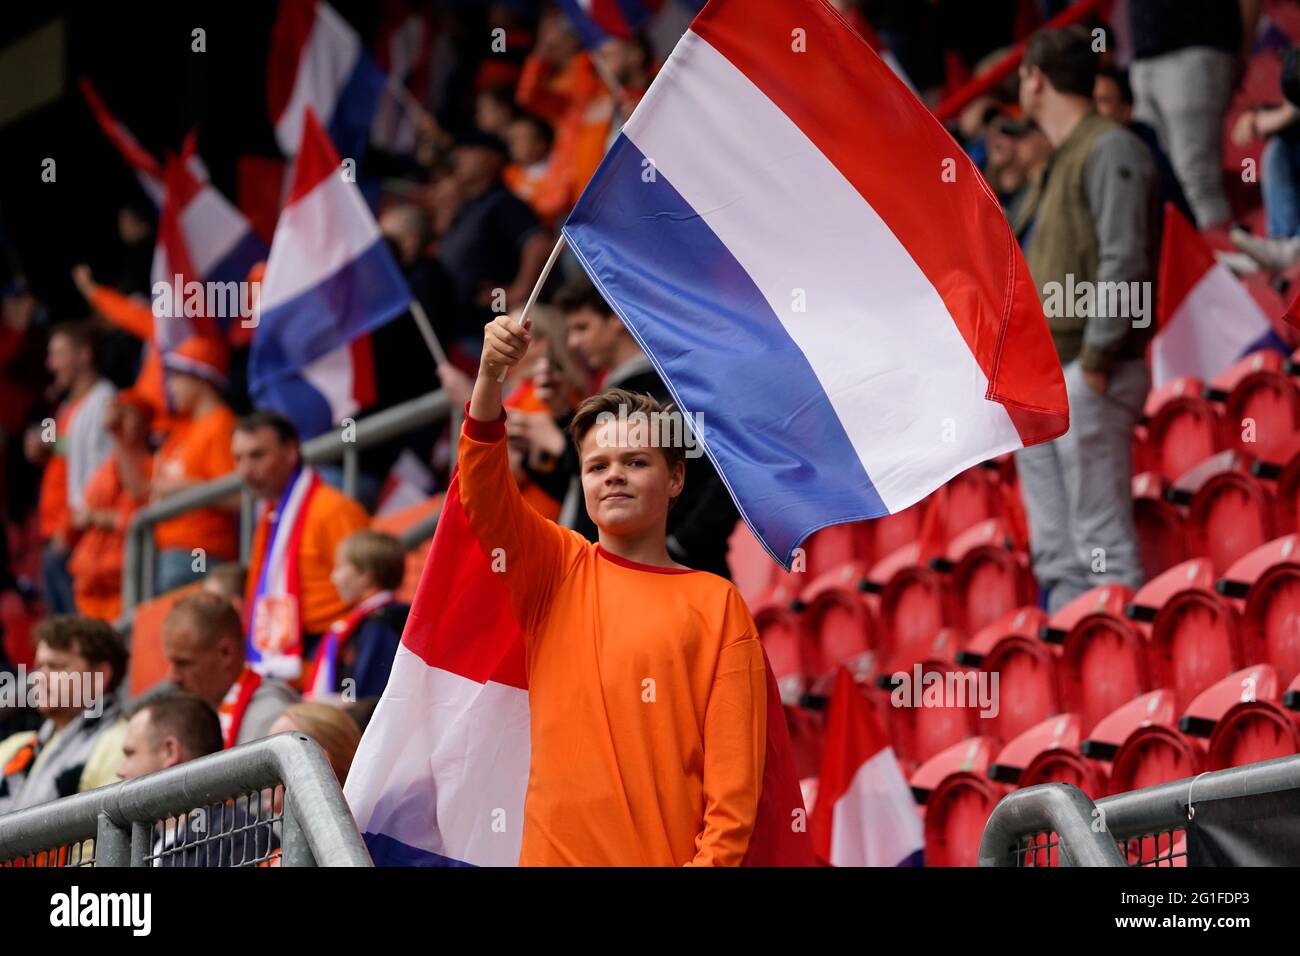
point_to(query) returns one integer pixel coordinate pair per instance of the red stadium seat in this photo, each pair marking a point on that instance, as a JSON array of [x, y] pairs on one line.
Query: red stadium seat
[[955, 814], [973, 497], [1267, 583], [1155, 754], [1182, 427], [1162, 537], [1260, 401], [1254, 726], [920, 732], [988, 577], [1066, 766], [972, 755], [913, 604], [1230, 511], [836, 545], [1103, 657], [892, 532], [782, 634], [1258, 682], [840, 618], [1104, 740], [1061, 731], [1283, 469], [1192, 633], [752, 568], [1028, 683]]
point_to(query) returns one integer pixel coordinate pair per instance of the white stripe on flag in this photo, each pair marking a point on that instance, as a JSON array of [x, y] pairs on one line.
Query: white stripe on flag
[[332, 375], [875, 822], [894, 366], [1210, 330], [324, 66]]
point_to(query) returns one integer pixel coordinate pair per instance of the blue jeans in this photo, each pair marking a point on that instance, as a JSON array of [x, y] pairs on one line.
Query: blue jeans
[[56, 581], [174, 569], [1280, 184]]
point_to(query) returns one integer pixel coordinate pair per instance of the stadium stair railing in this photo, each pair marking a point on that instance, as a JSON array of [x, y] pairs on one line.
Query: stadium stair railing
[[1056, 824], [219, 810]]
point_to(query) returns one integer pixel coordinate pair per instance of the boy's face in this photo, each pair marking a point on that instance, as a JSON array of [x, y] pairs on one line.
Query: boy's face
[[594, 337], [626, 482], [351, 582]]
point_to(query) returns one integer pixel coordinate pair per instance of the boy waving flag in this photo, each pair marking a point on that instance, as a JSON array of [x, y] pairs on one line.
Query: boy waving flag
[[559, 702], [817, 271]]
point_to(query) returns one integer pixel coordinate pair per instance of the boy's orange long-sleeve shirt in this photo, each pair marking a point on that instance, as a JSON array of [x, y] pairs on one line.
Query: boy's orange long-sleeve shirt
[[646, 687]]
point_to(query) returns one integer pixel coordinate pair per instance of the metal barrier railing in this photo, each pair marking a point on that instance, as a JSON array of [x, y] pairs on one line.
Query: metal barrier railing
[[1055, 823], [271, 802], [138, 554]]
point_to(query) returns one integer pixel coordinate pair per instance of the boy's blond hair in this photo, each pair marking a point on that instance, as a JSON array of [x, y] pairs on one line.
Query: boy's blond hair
[[377, 554]]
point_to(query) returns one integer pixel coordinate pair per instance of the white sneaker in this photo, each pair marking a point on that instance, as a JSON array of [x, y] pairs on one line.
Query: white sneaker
[[1276, 255]]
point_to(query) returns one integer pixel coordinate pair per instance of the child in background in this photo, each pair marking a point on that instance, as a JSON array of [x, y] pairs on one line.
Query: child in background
[[368, 570], [229, 581]]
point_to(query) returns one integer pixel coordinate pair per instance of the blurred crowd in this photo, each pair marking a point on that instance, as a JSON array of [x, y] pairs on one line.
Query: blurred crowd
[[1083, 146]]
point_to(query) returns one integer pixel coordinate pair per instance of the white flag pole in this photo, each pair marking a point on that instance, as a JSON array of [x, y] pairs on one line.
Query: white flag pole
[[537, 288], [426, 330]]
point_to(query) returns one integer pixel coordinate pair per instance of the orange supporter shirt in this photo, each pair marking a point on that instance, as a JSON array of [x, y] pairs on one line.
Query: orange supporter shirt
[[646, 689], [136, 317], [53, 515], [199, 449], [331, 517], [96, 561]]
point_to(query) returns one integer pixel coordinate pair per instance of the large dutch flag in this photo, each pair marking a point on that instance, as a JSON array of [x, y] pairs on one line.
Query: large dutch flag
[[1207, 319], [817, 271], [865, 814], [318, 62], [330, 280]]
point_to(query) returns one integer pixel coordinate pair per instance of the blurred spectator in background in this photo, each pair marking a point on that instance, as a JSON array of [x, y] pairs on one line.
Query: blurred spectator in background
[[1092, 219], [494, 109], [197, 450], [168, 729], [531, 174], [203, 642], [70, 447], [80, 663], [117, 488], [121, 350], [22, 383], [356, 654], [1113, 97], [1279, 173], [229, 581], [493, 248], [330, 727], [1187, 57], [269, 462]]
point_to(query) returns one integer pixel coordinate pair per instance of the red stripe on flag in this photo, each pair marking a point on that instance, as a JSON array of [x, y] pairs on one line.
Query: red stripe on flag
[[884, 141], [293, 25], [136, 156], [1185, 258], [317, 158], [461, 619]]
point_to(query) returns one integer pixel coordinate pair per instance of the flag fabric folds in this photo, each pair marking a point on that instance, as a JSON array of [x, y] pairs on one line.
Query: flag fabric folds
[[817, 271], [1207, 319], [865, 814], [330, 280]]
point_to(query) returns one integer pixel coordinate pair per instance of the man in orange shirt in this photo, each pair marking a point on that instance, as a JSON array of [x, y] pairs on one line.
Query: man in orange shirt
[[196, 451], [290, 600], [646, 680], [70, 447]]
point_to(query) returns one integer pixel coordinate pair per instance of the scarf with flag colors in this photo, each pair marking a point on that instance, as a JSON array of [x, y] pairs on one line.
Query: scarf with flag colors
[[865, 814], [442, 771], [235, 704], [854, 319], [274, 619], [322, 681]]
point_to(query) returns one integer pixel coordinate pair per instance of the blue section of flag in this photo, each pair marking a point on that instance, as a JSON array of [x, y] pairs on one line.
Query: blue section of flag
[[358, 298], [768, 425], [386, 851], [299, 401], [590, 35]]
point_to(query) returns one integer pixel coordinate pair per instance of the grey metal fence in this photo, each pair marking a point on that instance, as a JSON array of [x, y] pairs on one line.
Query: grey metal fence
[[138, 555], [1055, 824], [271, 802]]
